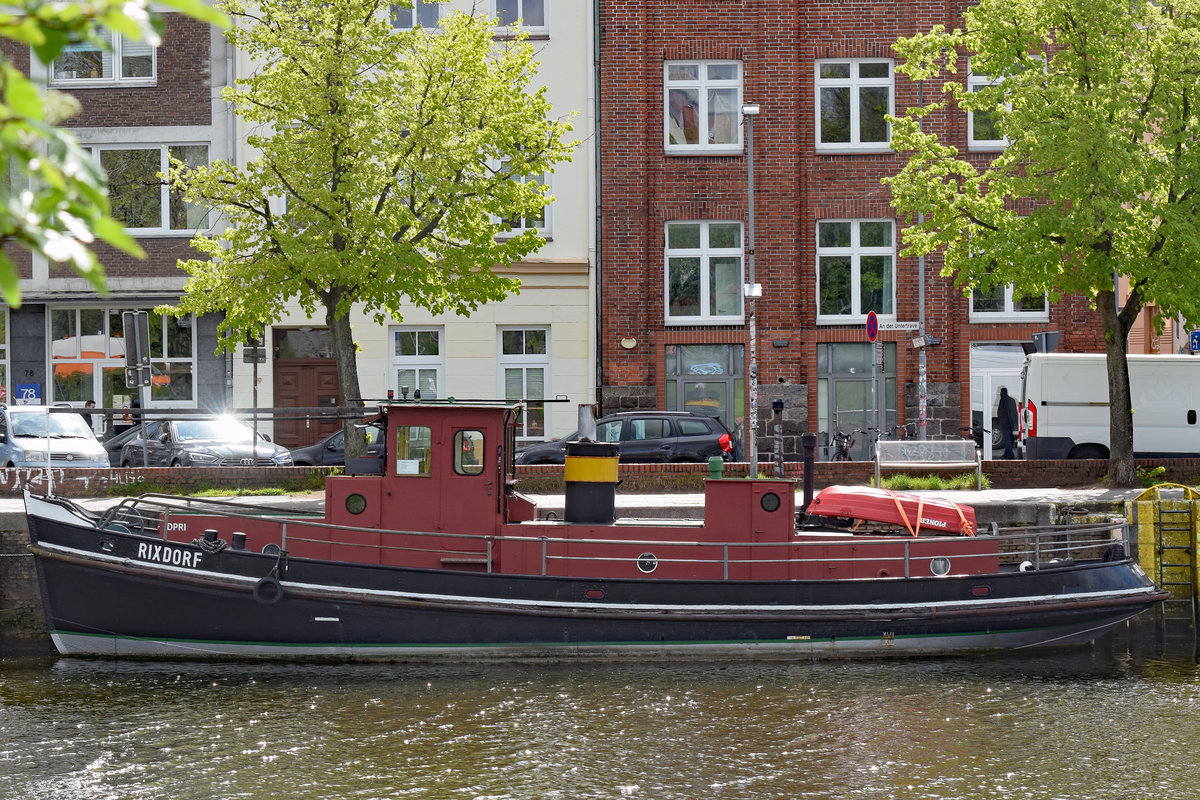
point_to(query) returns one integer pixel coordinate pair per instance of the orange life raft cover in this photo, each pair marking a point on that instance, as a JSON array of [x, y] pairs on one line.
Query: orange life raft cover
[[912, 511]]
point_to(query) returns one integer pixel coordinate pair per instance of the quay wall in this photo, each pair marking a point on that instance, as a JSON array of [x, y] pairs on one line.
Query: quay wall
[[22, 626]]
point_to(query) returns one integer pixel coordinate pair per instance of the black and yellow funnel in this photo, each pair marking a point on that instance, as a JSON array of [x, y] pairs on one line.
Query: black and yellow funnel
[[591, 478]]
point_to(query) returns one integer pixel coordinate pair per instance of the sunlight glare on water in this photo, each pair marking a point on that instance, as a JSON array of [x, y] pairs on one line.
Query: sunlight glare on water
[[1085, 724]]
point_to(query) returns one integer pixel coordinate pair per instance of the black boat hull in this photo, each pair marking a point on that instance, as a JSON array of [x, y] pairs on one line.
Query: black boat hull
[[108, 593]]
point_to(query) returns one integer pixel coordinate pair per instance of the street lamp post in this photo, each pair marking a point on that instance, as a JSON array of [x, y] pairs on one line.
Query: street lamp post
[[752, 292]]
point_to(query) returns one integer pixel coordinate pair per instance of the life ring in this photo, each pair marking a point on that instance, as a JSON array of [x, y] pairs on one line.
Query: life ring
[[268, 591]]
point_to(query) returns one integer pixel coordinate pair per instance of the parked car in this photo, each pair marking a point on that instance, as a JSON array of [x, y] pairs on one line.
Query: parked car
[[202, 442], [27, 433], [331, 451], [646, 437], [116, 440]]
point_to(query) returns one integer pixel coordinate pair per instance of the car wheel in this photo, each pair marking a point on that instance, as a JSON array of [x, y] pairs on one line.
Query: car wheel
[[175, 462], [1088, 451], [125, 464]]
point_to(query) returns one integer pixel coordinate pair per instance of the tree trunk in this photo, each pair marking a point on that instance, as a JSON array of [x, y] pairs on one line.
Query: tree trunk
[[1121, 468], [345, 356]]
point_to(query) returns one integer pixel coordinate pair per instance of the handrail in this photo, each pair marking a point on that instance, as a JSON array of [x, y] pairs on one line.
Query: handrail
[[1040, 545]]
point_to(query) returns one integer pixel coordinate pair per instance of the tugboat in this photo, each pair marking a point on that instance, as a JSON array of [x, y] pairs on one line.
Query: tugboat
[[430, 552]]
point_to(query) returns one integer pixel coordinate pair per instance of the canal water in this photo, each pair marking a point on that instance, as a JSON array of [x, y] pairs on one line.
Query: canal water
[[1120, 719]]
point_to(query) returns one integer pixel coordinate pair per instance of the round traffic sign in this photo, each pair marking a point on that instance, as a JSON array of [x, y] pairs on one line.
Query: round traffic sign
[[872, 326]]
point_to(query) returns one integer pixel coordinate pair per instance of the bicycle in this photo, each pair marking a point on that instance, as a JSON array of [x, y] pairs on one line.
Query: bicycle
[[975, 432], [842, 442], [906, 431]]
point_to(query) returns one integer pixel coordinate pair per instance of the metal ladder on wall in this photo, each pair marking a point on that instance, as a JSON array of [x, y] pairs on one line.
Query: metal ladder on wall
[[1175, 551]]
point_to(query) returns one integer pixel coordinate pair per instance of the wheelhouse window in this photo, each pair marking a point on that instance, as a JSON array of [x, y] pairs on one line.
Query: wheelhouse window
[[414, 445], [87, 355], [420, 14], [121, 61], [468, 452], [855, 269], [702, 103], [524, 375], [704, 273], [853, 98], [530, 15], [417, 362], [140, 197]]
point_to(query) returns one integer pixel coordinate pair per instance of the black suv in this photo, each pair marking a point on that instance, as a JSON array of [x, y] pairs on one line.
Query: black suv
[[647, 437]]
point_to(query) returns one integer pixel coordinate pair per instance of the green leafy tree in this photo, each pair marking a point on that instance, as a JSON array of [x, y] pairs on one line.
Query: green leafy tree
[[387, 163], [1098, 101], [53, 197]]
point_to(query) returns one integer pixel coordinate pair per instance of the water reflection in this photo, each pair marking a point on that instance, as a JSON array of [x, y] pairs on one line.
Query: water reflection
[[1114, 721]]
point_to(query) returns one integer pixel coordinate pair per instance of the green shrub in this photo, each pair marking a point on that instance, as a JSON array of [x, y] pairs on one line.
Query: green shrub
[[1151, 477], [903, 482]]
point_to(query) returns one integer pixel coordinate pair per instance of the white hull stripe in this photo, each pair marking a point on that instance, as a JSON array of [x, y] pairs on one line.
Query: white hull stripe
[[111, 645]]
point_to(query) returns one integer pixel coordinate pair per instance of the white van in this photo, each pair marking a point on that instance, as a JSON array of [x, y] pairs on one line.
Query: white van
[[1064, 405]]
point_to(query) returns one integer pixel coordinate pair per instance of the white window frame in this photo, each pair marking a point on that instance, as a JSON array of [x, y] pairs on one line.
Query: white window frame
[[164, 161], [118, 45], [701, 85], [855, 83], [546, 229], [1010, 312], [533, 30], [974, 83], [419, 363], [525, 362], [856, 251], [406, 18], [160, 357], [705, 253]]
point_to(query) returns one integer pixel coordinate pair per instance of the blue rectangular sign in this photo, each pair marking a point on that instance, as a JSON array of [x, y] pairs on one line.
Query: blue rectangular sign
[[28, 394]]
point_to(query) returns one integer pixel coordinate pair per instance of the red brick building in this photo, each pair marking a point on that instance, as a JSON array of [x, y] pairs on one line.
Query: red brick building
[[675, 223]]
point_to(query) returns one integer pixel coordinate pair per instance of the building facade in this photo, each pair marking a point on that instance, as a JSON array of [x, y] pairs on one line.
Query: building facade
[[676, 249], [140, 106], [539, 343]]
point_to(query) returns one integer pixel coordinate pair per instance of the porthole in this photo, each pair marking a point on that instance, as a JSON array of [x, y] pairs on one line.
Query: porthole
[[647, 563], [356, 504], [939, 566], [769, 502]]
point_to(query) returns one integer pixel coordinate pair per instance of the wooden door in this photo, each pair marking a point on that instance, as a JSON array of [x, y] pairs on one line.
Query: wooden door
[[305, 383]]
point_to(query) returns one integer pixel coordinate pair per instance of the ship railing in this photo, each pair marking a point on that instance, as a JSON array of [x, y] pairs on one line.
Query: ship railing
[[1019, 548], [1027, 548]]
